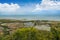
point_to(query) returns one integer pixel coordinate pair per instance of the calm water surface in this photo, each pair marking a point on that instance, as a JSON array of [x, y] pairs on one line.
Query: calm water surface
[[31, 17]]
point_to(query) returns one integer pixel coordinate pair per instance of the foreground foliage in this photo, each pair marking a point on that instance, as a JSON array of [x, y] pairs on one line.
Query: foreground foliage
[[33, 34]]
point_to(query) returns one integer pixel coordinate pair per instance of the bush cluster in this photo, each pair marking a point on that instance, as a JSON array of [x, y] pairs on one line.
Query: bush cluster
[[33, 34]]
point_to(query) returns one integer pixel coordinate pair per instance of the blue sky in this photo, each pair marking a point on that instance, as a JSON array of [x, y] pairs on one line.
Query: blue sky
[[19, 1], [29, 7]]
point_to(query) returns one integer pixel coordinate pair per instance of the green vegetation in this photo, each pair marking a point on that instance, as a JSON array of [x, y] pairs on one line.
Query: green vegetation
[[56, 33], [30, 33], [8, 21]]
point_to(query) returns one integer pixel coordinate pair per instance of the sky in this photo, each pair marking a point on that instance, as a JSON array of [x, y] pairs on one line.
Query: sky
[[29, 7]]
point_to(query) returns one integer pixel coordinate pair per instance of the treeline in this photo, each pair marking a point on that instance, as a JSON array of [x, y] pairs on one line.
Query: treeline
[[32, 34]]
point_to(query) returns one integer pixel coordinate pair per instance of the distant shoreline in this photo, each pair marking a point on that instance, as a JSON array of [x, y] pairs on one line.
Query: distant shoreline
[[26, 19]]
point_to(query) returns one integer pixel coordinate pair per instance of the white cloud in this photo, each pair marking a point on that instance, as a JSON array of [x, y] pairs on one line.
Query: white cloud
[[9, 7], [14, 9], [47, 5]]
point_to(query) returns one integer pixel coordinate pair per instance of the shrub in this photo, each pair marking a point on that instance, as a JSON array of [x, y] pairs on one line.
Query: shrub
[[32, 34], [56, 32]]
